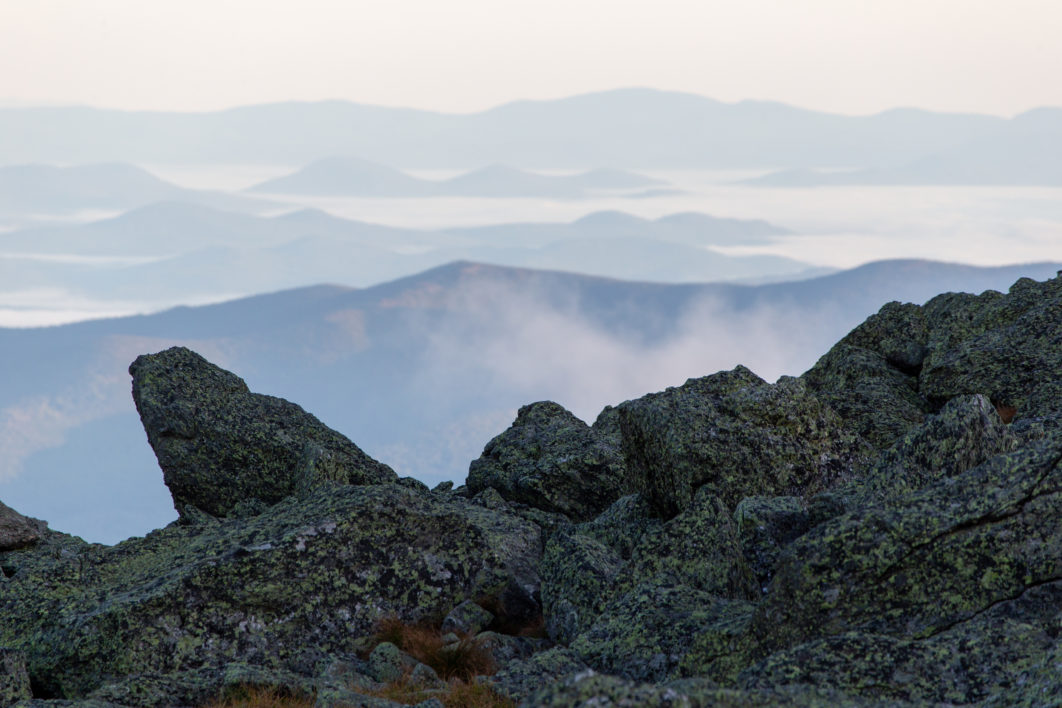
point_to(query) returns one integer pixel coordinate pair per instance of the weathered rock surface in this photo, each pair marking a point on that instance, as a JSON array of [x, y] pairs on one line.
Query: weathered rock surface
[[1008, 347], [285, 589], [18, 531], [550, 460], [14, 681], [229, 452], [965, 433], [883, 531], [923, 578], [870, 377], [739, 436], [765, 526]]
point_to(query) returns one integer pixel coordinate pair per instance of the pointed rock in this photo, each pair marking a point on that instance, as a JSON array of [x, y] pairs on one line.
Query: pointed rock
[[229, 452]]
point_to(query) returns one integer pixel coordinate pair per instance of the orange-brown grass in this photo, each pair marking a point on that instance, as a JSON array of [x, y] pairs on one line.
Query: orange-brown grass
[[1006, 413], [463, 660], [258, 697], [458, 694]]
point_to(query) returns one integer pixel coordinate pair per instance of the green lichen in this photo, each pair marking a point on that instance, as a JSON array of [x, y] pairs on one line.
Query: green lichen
[[550, 460]]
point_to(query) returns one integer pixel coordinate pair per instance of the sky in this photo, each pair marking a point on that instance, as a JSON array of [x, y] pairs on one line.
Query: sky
[[844, 56]]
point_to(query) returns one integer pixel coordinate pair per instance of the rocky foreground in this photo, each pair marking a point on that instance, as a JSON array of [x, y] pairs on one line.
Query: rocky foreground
[[885, 530]]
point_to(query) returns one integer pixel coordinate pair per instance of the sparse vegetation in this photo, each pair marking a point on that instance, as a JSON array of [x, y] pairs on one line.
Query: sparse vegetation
[[462, 660], [458, 663], [260, 697], [1006, 413], [457, 694]]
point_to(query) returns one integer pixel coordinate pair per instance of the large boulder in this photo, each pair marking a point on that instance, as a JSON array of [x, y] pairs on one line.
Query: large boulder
[[965, 433], [226, 451], [699, 548], [645, 633], [18, 531], [579, 576], [550, 460], [870, 377], [1008, 347], [739, 436], [284, 589]]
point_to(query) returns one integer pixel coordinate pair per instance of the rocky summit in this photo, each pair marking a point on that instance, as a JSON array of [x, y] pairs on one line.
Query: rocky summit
[[885, 530]]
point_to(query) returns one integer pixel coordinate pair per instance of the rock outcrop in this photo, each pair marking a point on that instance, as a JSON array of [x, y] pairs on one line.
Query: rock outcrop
[[882, 531], [18, 531], [228, 452], [551, 460], [739, 436]]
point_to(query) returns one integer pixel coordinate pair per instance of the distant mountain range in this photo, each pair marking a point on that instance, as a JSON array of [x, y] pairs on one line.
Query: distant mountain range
[[1027, 153], [420, 372], [362, 178], [177, 252], [50, 190], [630, 128]]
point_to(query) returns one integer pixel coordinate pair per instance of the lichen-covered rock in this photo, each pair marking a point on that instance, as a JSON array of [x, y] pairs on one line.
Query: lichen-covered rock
[[736, 434], [765, 526], [387, 662], [876, 400], [964, 664], [506, 648], [717, 651], [551, 460], [590, 688], [1004, 346], [14, 681], [199, 686], [285, 588], [645, 633], [1037, 686], [467, 618], [226, 451], [622, 525], [965, 433], [699, 548], [519, 679], [579, 576], [18, 531], [870, 377], [948, 552]]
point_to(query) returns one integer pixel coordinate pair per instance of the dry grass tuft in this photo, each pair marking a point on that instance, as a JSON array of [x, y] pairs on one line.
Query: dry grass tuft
[[458, 694], [259, 697], [1006, 413], [463, 660]]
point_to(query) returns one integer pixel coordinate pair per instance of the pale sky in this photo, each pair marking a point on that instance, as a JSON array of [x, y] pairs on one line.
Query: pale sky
[[846, 56]]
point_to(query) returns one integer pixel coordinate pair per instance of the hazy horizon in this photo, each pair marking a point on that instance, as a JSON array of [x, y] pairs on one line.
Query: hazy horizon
[[944, 55]]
